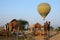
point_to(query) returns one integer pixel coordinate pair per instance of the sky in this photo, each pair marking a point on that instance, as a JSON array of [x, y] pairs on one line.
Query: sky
[[27, 10]]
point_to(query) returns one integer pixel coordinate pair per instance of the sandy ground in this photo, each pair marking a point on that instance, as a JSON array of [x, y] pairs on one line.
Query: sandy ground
[[55, 37]]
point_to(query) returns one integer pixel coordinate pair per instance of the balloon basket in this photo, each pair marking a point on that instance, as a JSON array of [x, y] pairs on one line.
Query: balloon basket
[[44, 19]]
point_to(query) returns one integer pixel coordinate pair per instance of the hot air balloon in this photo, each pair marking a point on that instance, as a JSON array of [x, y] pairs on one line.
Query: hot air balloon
[[44, 9]]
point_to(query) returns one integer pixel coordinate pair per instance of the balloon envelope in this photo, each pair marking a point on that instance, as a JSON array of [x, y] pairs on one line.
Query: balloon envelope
[[44, 9]]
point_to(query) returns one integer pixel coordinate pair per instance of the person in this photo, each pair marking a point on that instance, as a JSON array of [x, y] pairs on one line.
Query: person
[[47, 29], [14, 32], [24, 35]]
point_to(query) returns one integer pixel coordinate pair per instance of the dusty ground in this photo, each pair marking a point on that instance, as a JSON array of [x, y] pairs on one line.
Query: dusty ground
[[54, 37]]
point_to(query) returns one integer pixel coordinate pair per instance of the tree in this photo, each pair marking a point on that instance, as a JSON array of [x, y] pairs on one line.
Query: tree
[[22, 23], [51, 28], [58, 28]]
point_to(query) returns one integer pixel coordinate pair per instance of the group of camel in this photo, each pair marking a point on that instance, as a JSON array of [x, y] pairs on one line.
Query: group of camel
[[37, 29], [12, 27]]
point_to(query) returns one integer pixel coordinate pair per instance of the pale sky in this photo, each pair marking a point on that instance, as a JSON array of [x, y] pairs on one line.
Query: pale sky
[[27, 10]]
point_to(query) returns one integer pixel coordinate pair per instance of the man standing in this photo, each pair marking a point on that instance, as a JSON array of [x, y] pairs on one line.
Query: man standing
[[47, 30]]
